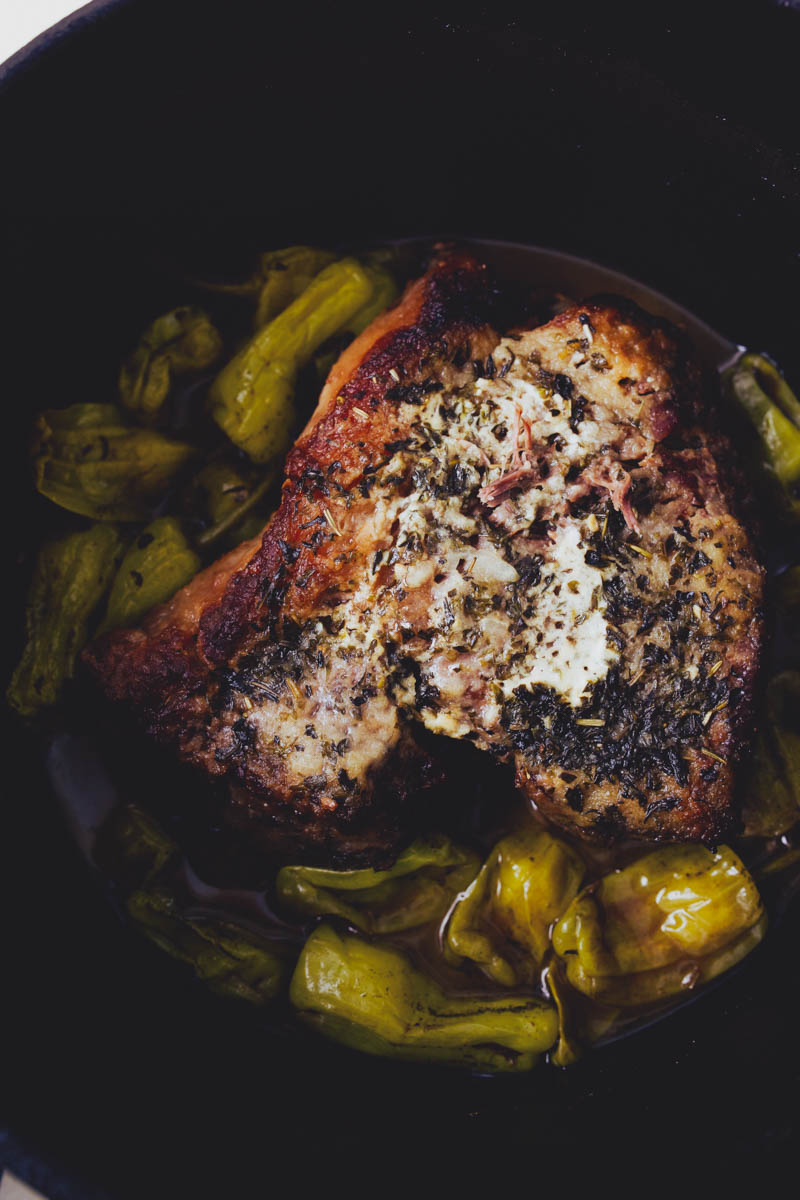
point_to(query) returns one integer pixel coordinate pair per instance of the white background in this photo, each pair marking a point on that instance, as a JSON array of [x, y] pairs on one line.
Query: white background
[[23, 20]]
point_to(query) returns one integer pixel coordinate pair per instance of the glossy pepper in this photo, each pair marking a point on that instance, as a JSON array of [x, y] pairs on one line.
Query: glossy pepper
[[370, 997], [581, 1022], [772, 797], [673, 919], [526, 883], [419, 887], [384, 293], [252, 397], [69, 580], [159, 562], [176, 343], [764, 396], [88, 461]]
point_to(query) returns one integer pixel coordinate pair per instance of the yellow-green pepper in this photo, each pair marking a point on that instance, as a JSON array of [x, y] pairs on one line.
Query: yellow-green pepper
[[420, 887], [88, 461], [231, 494], [770, 405], [771, 381], [675, 918], [132, 848], [69, 581], [384, 293], [788, 592], [581, 1022], [158, 563], [224, 486], [248, 527], [371, 998], [284, 275], [526, 883], [252, 397], [772, 798], [176, 343], [226, 957]]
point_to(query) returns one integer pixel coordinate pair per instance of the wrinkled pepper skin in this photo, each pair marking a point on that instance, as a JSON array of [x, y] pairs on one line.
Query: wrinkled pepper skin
[[89, 462], [69, 581], [224, 487], [526, 883], [772, 799], [420, 887], [230, 495], [671, 920], [370, 998], [581, 1022], [283, 275], [158, 563], [252, 397], [177, 343], [227, 958], [132, 848]]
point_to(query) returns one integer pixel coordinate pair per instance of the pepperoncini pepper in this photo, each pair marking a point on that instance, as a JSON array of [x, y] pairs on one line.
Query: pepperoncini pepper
[[371, 998], [526, 883], [176, 343], [766, 399], [384, 293], [232, 494], [419, 887], [581, 1022], [252, 397], [677, 917], [772, 800], [283, 275], [69, 580], [156, 566], [227, 958], [88, 461], [132, 848]]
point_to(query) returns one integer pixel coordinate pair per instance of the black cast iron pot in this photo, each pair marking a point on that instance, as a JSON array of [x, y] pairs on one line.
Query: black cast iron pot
[[664, 145]]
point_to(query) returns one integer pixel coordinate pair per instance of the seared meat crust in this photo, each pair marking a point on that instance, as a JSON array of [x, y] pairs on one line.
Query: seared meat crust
[[194, 673], [526, 542]]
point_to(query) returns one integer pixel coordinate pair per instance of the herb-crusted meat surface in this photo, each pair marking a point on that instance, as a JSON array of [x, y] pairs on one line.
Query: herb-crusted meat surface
[[526, 542]]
